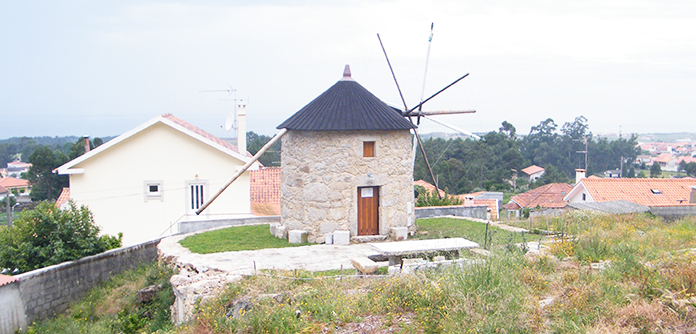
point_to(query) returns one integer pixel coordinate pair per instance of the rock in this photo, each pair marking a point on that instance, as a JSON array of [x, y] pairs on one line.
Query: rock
[[297, 236], [341, 238], [239, 308], [364, 265], [377, 257], [399, 233], [147, 294]]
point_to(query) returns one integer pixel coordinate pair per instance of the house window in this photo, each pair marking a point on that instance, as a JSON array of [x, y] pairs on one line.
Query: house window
[[584, 196], [197, 193], [153, 190], [656, 191], [368, 149]]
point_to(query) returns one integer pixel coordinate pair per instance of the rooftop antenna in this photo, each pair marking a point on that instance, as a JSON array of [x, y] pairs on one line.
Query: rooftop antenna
[[231, 119]]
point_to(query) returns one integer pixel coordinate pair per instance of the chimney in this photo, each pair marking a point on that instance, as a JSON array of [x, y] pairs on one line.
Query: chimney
[[86, 137], [468, 201], [692, 200], [579, 175], [241, 128]]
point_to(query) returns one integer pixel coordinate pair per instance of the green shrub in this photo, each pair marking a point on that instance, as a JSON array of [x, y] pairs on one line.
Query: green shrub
[[47, 235]]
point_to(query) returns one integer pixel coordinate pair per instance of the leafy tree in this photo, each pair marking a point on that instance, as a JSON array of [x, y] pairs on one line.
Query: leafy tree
[[45, 183], [47, 235], [7, 153], [255, 142], [655, 170], [689, 168], [430, 198], [632, 173], [551, 175]]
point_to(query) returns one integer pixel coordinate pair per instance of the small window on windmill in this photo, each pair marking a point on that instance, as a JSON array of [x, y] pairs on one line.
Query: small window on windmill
[[368, 149]]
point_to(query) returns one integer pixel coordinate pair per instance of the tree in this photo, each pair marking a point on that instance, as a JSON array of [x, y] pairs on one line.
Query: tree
[[255, 142], [47, 235], [551, 175], [78, 148], [45, 183], [508, 129], [655, 170]]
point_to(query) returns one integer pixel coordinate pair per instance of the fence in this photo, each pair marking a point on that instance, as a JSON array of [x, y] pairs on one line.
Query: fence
[[41, 293]]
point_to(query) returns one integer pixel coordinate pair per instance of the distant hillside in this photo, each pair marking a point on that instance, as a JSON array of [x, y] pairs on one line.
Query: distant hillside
[[446, 135], [643, 137]]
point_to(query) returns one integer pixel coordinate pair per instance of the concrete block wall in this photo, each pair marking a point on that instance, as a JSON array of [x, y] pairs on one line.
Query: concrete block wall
[[199, 225], [41, 293], [675, 212], [479, 211]]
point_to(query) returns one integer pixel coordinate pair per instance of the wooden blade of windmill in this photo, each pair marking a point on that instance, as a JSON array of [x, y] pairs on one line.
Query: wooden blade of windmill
[[442, 112], [432, 176], [410, 111]]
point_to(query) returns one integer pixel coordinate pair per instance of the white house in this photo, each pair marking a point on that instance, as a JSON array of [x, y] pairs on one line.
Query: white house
[[533, 172], [146, 180]]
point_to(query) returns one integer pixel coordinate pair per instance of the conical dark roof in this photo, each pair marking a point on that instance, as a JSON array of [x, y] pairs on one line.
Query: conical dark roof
[[346, 106]]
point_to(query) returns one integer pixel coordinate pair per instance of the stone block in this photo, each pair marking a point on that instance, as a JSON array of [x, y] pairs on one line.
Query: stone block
[[341, 237], [297, 236], [328, 238], [399, 233], [279, 231], [364, 265], [376, 256]]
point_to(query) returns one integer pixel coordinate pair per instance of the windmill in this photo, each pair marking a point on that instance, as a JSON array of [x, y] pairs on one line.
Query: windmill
[[337, 122], [418, 112]]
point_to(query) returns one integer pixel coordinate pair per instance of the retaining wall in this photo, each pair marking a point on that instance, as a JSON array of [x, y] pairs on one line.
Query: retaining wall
[[673, 212], [193, 226], [478, 211], [41, 293]]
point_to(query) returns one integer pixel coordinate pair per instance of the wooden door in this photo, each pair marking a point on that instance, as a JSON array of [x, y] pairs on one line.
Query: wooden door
[[368, 210]]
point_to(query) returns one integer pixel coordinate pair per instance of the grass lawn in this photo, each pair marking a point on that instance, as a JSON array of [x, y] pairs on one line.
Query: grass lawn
[[437, 228], [232, 239]]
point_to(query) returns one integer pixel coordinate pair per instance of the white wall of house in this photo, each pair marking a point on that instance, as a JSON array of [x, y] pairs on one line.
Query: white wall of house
[[578, 195], [115, 182], [535, 176]]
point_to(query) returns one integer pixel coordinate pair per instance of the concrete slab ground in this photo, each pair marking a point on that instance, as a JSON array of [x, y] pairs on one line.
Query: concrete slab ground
[[312, 258]]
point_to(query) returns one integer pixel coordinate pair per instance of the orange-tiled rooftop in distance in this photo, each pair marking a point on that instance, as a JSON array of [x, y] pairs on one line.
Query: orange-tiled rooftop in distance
[[532, 169], [547, 196], [648, 192]]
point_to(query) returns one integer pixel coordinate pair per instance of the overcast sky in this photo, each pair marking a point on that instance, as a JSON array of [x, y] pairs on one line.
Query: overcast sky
[[101, 68]]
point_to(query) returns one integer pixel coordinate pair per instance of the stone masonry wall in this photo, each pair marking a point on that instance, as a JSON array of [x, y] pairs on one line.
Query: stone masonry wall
[[321, 173], [49, 290]]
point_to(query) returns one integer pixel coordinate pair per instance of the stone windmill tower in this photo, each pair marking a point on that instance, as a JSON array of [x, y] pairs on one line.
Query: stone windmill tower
[[346, 165]]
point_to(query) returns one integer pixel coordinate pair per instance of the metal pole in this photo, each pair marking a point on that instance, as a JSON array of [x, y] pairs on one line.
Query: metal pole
[[241, 171], [7, 208]]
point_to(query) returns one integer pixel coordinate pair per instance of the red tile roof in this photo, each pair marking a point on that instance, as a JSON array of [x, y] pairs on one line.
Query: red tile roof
[[546, 196], [664, 157], [202, 133], [63, 197], [265, 185], [4, 279], [533, 169], [428, 187], [2, 190], [11, 182], [648, 192]]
